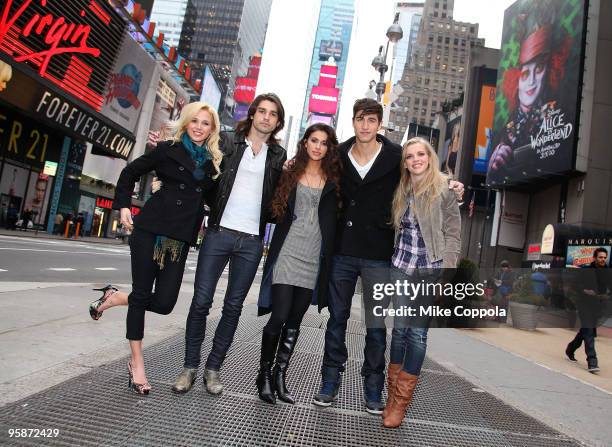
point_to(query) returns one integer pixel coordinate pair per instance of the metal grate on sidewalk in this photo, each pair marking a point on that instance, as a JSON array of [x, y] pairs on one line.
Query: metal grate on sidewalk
[[97, 408]]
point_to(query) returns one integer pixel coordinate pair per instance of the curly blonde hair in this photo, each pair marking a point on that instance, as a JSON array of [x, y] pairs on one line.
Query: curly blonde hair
[[178, 128]]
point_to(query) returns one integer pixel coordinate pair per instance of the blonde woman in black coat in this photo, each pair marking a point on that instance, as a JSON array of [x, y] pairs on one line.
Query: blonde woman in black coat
[[189, 166]]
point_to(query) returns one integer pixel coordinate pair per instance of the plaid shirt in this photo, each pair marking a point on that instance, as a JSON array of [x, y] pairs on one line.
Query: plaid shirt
[[410, 252]]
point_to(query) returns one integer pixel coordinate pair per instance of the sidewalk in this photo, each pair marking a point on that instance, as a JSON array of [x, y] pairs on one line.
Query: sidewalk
[[45, 235], [47, 340]]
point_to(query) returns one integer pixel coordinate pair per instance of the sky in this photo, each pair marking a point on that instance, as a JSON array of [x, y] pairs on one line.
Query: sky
[[373, 17]]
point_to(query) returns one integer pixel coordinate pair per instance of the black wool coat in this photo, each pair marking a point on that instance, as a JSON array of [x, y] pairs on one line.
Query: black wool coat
[[177, 209], [328, 212], [365, 229]]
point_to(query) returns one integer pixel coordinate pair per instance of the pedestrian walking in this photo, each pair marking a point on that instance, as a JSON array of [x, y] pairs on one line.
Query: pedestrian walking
[[189, 166], [592, 292], [296, 272], [236, 227], [427, 227]]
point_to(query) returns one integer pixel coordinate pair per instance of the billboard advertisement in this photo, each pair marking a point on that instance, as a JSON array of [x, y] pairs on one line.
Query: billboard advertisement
[[70, 44], [582, 255], [328, 75], [452, 140], [254, 66], [245, 90], [128, 84], [323, 100], [325, 119], [484, 130], [211, 94], [330, 48], [535, 126]]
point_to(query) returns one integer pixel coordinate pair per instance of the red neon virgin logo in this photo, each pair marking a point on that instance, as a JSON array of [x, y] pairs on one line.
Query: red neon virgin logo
[[61, 37]]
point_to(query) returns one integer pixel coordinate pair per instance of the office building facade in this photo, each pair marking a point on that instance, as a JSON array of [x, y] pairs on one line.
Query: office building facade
[[435, 73]]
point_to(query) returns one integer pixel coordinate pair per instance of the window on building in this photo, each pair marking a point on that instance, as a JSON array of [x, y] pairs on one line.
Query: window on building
[[443, 15], [440, 39], [435, 13], [447, 40], [425, 101], [471, 29]]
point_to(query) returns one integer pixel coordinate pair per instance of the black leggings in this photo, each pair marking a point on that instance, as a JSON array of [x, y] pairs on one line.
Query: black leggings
[[289, 304], [145, 272]]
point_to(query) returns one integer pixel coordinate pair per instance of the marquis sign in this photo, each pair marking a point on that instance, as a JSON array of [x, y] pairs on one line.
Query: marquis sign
[[73, 43]]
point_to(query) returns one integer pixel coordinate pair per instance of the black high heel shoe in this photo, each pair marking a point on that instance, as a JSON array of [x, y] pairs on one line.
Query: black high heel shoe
[[138, 388], [93, 307]]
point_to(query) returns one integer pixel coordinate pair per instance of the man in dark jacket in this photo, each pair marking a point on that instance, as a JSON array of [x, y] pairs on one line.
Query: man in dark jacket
[[364, 246], [592, 290], [240, 208]]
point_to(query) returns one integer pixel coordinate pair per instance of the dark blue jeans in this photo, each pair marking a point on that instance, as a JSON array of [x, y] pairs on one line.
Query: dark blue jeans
[[243, 252], [588, 336], [343, 279], [409, 334]]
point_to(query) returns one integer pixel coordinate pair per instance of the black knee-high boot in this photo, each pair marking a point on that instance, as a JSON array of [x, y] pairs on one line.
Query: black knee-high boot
[[283, 355], [265, 387]]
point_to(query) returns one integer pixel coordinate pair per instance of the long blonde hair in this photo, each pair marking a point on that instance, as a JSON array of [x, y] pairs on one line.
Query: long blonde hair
[[428, 189], [179, 127]]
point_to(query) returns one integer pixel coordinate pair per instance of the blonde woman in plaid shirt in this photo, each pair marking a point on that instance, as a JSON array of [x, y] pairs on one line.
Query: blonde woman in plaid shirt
[[427, 226]]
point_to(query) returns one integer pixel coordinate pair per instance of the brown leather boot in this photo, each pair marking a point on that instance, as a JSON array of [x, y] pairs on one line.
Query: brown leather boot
[[404, 390], [392, 371]]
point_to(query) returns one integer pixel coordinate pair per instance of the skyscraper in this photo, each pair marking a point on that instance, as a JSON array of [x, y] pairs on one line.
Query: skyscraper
[[224, 35], [168, 16], [410, 13], [332, 40], [435, 72]]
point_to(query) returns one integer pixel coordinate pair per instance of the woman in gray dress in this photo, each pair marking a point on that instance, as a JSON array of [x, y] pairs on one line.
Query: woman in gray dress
[[296, 272]]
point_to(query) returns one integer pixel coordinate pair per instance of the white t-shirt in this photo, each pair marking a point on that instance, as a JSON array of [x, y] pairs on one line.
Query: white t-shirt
[[363, 170], [243, 209]]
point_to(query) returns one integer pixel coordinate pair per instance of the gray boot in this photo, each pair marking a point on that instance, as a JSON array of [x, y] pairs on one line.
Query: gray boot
[[212, 381], [185, 380]]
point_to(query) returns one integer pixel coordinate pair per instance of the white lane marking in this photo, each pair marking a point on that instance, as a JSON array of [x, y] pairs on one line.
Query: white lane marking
[[190, 267], [65, 251], [2, 270], [62, 269], [105, 268]]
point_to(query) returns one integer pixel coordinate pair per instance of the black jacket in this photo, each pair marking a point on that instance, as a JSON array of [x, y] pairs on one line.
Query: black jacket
[[177, 209], [233, 147], [328, 212], [365, 229]]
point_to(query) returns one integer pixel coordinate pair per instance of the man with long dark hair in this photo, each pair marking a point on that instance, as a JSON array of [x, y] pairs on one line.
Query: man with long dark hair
[[236, 227]]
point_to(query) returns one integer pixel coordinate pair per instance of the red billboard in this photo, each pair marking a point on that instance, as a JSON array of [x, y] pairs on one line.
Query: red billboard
[[324, 100], [245, 90], [328, 75], [254, 65], [72, 44]]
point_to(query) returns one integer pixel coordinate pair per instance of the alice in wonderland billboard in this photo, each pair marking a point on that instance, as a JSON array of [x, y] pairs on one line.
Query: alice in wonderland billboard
[[538, 91]]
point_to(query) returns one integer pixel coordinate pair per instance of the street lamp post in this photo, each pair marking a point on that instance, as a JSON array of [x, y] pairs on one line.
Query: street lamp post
[[394, 34]]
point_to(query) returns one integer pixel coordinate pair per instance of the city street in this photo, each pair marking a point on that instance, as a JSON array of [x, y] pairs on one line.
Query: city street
[[472, 392]]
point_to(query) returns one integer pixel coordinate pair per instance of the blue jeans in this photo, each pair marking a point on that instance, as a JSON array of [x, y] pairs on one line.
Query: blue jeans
[[243, 252], [409, 334], [343, 279], [588, 336]]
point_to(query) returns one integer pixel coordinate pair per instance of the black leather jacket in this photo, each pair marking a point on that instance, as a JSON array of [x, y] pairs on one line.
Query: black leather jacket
[[233, 147]]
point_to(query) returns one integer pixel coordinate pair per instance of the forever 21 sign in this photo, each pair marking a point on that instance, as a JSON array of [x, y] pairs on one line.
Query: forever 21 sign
[[63, 114]]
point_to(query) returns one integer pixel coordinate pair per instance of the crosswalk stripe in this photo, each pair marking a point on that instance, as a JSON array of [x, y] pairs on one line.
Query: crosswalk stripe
[[105, 268], [61, 269], [2, 270]]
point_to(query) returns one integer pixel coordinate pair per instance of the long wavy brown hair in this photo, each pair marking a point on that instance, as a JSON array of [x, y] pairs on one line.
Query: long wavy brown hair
[[331, 165]]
